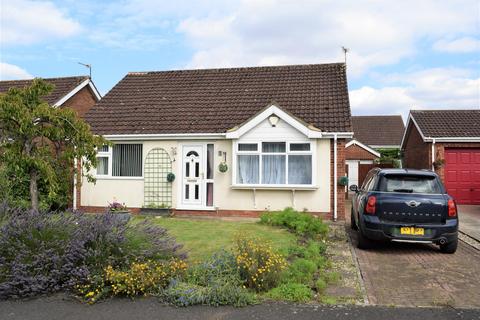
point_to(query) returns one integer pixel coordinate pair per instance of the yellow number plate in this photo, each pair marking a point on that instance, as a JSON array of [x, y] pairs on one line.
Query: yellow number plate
[[412, 231]]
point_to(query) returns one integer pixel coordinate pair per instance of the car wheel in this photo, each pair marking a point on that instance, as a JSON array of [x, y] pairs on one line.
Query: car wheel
[[449, 247], [363, 242], [353, 225]]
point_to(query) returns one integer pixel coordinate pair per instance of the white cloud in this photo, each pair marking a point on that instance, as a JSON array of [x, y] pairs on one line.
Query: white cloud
[[431, 88], [27, 22], [13, 72], [277, 32], [460, 45]]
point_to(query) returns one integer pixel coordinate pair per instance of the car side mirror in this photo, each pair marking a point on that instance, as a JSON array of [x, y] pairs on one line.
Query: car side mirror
[[354, 188]]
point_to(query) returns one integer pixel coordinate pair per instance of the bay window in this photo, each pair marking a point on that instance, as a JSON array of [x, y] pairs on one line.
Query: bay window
[[274, 163], [121, 160]]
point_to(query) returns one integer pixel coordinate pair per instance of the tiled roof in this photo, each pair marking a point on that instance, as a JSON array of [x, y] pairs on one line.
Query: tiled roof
[[378, 130], [215, 100], [62, 86], [448, 123]]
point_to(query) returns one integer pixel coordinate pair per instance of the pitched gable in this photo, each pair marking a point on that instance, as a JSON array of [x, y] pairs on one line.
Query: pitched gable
[[62, 86], [448, 123]]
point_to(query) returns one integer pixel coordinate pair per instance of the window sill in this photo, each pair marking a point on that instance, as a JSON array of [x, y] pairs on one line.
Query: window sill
[[117, 178], [274, 187]]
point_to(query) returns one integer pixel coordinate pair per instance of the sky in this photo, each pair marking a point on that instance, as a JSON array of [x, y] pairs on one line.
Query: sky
[[420, 54]]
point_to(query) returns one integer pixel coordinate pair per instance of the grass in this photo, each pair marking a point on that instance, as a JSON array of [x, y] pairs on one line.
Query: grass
[[201, 238]]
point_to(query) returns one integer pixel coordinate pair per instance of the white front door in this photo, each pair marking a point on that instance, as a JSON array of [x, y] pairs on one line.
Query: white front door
[[192, 175]]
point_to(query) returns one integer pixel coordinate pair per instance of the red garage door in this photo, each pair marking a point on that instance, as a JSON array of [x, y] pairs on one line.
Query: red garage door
[[462, 175]]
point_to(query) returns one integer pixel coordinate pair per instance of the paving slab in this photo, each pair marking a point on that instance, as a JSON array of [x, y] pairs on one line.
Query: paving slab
[[470, 220]]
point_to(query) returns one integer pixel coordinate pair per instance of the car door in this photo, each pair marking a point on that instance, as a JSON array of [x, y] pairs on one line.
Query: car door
[[362, 193]]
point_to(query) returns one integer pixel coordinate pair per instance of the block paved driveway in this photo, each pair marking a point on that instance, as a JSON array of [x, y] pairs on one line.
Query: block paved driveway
[[419, 275]]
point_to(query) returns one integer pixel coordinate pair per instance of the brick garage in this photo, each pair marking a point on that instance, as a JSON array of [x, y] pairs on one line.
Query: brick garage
[[447, 141]]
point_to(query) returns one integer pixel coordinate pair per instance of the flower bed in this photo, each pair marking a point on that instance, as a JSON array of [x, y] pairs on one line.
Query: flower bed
[[98, 256]]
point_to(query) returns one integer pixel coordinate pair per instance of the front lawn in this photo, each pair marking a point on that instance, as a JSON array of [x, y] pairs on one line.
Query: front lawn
[[201, 238]]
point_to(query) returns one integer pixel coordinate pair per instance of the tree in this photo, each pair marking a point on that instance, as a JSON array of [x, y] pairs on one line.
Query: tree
[[38, 143]]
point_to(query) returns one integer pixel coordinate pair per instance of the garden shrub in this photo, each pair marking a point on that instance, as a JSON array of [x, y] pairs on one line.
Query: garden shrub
[[214, 282], [331, 277], [301, 270], [259, 265], [186, 294], [300, 223], [295, 292], [143, 277], [221, 266], [320, 285], [42, 253]]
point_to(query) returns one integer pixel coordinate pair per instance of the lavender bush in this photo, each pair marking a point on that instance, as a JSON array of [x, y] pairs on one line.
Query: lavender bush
[[42, 253]]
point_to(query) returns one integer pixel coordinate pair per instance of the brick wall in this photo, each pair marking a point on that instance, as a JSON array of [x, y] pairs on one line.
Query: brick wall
[[82, 101], [205, 213], [355, 152], [340, 172], [416, 153]]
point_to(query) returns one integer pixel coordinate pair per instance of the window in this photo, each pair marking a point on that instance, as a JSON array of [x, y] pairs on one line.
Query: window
[[121, 160], [274, 163], [409, 184], [103, 155]]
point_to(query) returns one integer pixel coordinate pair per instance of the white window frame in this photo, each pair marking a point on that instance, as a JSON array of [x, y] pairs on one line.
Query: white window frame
[[109, 154], [105, 154], [235, 152]]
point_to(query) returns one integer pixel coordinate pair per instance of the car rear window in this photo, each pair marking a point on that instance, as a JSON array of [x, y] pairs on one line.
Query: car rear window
[[409, 184]]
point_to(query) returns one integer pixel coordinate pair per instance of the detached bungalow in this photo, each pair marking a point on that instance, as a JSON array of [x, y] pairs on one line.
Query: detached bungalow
[[447, 141], [238, 141]]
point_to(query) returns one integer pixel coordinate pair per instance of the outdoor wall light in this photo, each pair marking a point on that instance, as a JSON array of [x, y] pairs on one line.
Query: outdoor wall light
[[273, 119], [173, 152]]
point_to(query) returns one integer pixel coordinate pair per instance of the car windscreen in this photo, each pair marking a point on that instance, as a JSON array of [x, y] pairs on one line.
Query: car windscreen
[[409, 184]]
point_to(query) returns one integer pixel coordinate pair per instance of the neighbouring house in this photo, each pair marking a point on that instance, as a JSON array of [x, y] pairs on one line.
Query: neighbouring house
[[372, 135], [78, 93], [447, 141], [239, 141]]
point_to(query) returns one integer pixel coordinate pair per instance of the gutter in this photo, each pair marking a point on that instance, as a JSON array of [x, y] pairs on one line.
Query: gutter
[[452, 139]]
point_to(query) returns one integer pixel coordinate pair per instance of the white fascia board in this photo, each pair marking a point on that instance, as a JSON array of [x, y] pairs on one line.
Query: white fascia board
[[94, 90], [405, 132], [453, 139], [167, 136], [273, 109], [410, 118], [361, 145], [340, 135], [77, 89]]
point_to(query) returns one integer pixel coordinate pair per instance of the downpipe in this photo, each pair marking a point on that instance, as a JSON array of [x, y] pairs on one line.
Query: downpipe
[[335, 195]]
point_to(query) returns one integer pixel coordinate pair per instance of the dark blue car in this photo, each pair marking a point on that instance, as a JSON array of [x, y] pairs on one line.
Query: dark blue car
[[406, 206]]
